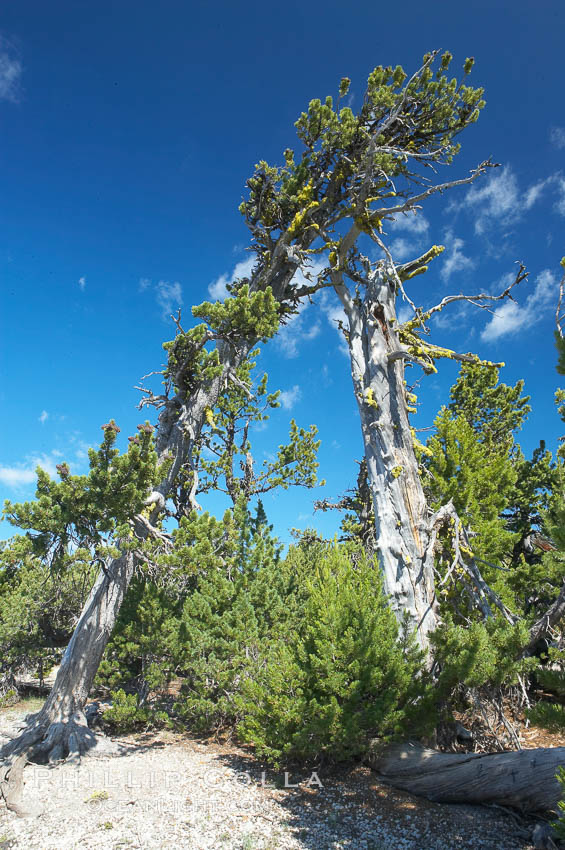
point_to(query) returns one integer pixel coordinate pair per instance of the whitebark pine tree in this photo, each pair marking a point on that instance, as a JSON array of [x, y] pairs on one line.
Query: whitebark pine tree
[[356, 172]]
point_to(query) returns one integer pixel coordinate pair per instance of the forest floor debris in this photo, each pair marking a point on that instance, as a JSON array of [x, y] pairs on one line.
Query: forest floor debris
[[167, 790]]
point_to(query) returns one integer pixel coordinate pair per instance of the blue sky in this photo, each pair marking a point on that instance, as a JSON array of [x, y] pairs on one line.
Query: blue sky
[[127, 132]]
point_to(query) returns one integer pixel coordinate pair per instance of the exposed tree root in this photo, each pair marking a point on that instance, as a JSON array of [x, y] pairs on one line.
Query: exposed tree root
[[44, 742], [12, 785]]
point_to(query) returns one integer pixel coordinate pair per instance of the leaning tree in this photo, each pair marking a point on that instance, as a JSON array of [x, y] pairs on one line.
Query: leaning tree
[[325, 208]]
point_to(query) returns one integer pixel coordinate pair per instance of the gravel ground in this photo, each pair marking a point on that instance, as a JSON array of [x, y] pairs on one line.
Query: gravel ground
[[165, 791]]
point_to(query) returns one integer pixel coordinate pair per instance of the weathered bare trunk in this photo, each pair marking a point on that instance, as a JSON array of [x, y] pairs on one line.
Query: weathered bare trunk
[[524, 779], [85, 650], [401, 520], [60, 728]]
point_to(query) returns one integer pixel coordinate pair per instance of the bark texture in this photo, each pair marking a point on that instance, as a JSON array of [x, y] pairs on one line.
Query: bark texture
[[524, 779], [402, 529]]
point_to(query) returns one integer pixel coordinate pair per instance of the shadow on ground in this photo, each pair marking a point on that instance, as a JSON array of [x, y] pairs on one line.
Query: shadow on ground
[[348, 807]]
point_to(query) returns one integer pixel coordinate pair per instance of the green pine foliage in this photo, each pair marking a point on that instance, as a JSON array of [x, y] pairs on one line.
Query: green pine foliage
[[225, 444], [83, 516], [550, 573], [479, 654], [221, 595], [537, 579], [477, 476], [474, 460], [125, 715], [514, 509], [38, 609], [535, 480], [140, 654], [238, 604], [559, 825], [338, 676], [430, 110], [494, 411], [300, 656], [73, 525], [143, 652]]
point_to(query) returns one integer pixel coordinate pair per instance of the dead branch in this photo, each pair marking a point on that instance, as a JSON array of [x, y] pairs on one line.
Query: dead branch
[[143, 529], [482, 300], [523, 779], [482, 595], [176, 320], [401, 354], [543, 626], [411, 203], [11, 785], [151, 399]]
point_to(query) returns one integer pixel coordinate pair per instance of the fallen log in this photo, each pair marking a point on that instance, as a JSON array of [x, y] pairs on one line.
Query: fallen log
[[524, 779]]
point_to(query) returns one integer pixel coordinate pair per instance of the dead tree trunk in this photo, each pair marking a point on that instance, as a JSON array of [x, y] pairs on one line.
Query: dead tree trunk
[[525, 779], [400, 510]]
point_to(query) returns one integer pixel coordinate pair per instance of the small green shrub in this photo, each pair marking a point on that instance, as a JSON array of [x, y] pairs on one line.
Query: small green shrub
[[483, 653], [125, 715], [548, 715], [340, 676]]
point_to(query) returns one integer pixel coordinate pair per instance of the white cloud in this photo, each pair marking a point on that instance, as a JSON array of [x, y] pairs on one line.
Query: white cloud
[[496, 199], [333, 309], [82, 283], [535, 191], [557, 137], [44, 417], [511, 317], [404, 313], [499, 201], [16, 477], [288, 398], [24, 474], [218, 288], [335, 315], [403, 249], [300, 327], [10, 72], [46, 462], [412, 223], [81, 452], [453, 317], [454, 260], [560, 203], [169, 297], [409, 246]]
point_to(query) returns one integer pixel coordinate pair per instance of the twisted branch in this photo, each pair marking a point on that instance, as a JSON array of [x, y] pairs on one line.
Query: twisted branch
[[482, 595]]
